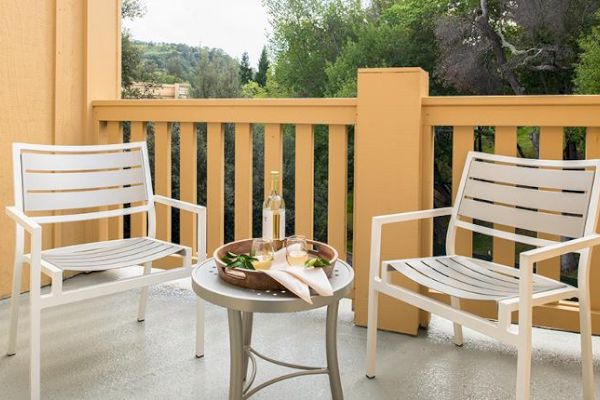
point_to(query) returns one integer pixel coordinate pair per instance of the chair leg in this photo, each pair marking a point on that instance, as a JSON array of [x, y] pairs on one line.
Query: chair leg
[[458, 333], [199, 327], [585, 321], [372, 332], [14, 307], [524, 356], [35, 348], [144, 295]]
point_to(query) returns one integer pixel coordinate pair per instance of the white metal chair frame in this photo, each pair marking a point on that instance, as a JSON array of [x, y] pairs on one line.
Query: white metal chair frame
[[95, 169], [526, 298]]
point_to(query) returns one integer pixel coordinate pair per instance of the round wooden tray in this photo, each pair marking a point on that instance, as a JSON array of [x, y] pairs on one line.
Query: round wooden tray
[[258, 280]]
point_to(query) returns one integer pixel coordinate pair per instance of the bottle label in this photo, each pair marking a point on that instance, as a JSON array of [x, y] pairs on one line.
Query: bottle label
[[273, 224]]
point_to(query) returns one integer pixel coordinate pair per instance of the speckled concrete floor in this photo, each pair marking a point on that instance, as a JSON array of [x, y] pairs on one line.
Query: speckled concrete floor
[[97, 350]]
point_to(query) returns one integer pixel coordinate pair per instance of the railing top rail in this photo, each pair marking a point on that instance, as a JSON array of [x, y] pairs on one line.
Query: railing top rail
[[558, 111], [474, 101], [298, 111]]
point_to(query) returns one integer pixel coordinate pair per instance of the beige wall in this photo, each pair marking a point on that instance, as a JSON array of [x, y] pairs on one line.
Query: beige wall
[[56, 57]]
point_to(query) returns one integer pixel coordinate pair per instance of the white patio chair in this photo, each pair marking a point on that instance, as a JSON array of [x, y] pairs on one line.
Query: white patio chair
[[554, 197], [56, 184]]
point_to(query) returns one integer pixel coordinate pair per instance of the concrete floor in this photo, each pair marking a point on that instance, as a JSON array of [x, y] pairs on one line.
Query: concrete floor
[[97, 350]]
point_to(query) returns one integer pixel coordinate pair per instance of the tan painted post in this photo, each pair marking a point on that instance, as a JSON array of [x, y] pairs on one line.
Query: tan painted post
[[162, 177], [462, 143], [273, 155], [592, 150], [337, 190], [551, 147], [188, 183], [215, 183], [505, 144], [305, 173], [243, 181], [388, 179], [138, 220]]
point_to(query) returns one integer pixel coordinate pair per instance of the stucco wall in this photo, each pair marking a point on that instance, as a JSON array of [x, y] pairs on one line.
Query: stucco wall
[[55, 58]]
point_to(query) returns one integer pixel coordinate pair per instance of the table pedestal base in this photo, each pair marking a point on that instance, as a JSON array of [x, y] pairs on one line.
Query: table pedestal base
[[244, 356]]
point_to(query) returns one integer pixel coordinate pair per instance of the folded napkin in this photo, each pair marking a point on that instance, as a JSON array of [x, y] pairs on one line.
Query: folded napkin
[[298, 279]]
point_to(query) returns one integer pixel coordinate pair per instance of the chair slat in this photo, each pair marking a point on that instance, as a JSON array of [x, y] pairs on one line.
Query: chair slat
[[556, 224], [46, 201], [558, 201], [81, 161], [573, 180], [82, 180]]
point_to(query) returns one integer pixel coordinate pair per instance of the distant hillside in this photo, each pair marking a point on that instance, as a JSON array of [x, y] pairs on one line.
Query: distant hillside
[[211, 72]]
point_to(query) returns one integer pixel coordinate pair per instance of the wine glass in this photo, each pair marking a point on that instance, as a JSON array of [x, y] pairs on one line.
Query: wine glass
[[296, 250], [262, 250]]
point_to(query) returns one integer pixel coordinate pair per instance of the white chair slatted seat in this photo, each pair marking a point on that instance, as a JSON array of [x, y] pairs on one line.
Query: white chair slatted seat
[[553, 197], [57, 184]]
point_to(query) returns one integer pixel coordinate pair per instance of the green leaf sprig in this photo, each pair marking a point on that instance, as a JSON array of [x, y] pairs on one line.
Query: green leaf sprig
[[242, 261], [316, 263]]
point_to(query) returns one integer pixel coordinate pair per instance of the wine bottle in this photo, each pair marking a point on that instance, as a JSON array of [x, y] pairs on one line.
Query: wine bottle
[[273, 223]]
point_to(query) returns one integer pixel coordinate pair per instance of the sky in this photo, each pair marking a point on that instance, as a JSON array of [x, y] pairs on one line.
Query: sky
[[232, 25]]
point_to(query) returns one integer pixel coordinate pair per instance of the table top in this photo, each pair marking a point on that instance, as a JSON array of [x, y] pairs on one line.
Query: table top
[[207, 284]]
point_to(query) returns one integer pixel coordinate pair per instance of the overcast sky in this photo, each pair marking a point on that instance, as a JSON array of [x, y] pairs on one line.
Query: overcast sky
[[233, 25]]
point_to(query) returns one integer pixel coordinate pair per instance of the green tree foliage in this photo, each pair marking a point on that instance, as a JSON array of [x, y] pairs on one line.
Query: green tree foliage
[[216, 75], [397, 34], [588, 71], [263, 68], [307, 35], [245, 69]]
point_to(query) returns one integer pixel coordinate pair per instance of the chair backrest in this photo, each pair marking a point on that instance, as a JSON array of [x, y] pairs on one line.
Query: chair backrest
[[553, 197], [77, 180]]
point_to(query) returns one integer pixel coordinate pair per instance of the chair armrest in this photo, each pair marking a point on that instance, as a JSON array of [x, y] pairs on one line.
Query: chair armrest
[[201, 221], [26, 222], [411, 215], [558, 249], [182, 205], [380, 220]]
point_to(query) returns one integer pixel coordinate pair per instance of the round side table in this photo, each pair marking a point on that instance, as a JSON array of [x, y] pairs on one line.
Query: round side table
[[242, 303]]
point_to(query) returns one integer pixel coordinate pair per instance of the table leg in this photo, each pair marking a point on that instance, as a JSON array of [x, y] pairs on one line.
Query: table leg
[[236, 350], [331, 345], [247, 319]]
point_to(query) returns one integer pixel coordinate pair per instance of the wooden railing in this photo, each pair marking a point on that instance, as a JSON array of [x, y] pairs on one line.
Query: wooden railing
[[394, 121], [338, 114]]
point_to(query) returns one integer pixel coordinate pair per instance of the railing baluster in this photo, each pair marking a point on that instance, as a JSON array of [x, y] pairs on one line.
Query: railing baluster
[[162, 177], [188, 181], [243, 181], [138, 221], [462, 143], [273, 154], [102, 135], [305, 172], [337, 191], [551, 148], [215, 184], [505, 144], [115, 135]]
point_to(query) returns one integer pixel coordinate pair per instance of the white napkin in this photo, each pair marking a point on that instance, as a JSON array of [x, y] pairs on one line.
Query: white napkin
[[298, 279]]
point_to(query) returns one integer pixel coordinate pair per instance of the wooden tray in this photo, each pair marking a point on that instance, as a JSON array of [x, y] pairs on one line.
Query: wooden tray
[[258, 280]]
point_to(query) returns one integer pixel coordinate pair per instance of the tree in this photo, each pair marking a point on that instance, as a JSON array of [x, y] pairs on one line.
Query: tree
[[245, 69], [263, 67], [518, 46], [588, 70], [307, 35], [216, 75]]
